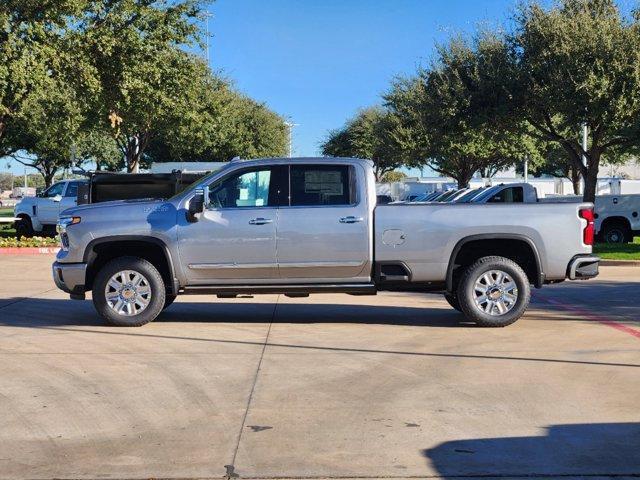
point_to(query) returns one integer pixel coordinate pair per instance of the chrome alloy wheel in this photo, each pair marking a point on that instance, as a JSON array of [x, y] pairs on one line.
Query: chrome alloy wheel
[[128, 293], [495, 292]]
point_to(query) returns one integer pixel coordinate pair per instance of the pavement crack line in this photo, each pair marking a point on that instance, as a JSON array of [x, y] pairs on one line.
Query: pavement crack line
[[22, 299], [230, 473]]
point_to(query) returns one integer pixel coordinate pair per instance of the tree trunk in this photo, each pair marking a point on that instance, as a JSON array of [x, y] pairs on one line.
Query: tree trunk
[[574, 176], [463, 179], [48, 178], [591, 176]]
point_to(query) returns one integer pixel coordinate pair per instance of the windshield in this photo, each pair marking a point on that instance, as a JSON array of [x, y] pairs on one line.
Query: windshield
[[445, 195], [487, 193], [469, 195]]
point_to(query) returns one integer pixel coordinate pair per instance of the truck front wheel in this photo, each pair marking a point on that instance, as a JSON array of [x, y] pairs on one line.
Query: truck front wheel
[[494, 292], [129, 292], [24, 227]]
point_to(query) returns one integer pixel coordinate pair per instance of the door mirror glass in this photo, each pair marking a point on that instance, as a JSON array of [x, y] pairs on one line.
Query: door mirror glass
[[198, 204]]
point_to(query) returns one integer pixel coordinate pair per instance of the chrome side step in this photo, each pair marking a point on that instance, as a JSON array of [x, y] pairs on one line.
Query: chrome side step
[[227, 291]]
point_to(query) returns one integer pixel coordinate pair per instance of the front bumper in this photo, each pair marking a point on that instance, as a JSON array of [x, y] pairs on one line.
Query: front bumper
[[583, 267], [70, 277]]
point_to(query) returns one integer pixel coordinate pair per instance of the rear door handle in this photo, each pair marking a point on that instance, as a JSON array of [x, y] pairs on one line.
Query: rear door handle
[[260, 221], [351, 219]]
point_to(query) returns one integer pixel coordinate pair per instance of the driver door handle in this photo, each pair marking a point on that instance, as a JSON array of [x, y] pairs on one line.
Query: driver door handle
[[260, 221], [351, 219]]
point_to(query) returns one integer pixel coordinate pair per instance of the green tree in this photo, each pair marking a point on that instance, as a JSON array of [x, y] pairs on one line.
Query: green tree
[[7, 181], [393, 176], [444, 128], [144, 77], [570, 65], [220, 124], [47, 130], [31, 57], [374, 134], [99, 147]]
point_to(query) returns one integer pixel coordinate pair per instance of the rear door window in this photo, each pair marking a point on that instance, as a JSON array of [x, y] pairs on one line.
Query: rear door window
[[317, 185]]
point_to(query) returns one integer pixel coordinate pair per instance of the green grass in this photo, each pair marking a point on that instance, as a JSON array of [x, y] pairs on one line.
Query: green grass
[[6, 229], [622, 251]]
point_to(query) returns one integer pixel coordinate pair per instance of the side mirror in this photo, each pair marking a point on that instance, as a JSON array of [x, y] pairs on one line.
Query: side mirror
[[198, 204]]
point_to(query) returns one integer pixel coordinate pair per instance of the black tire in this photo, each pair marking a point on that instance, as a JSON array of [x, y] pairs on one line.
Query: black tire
[[453, 301], [156, 301], [478, 313], [616, 232], [168, 300], [24, 227]]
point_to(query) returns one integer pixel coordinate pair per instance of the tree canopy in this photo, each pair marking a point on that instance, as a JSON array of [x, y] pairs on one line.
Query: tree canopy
[[375, 134], [114, 82], [573, 64], [444, 129], [487, 102]]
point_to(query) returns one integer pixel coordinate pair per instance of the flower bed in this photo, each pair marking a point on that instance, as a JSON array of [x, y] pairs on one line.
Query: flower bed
[[28, 242]]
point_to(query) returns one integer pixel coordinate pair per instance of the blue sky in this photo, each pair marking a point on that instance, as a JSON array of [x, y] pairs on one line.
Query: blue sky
[[319, 61]]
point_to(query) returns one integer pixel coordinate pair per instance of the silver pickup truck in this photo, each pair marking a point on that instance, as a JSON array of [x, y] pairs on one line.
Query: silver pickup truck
[[311, 225]]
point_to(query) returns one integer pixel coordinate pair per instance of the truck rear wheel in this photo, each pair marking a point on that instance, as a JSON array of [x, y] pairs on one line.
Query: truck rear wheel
[[129, 292], [494, 292], [616, 232]]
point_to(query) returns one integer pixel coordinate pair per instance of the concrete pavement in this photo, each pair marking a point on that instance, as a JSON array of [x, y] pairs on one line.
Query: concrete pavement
[[331, 386]]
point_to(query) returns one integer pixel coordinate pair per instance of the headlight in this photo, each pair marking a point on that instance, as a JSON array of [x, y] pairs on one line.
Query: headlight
[[61, 228]]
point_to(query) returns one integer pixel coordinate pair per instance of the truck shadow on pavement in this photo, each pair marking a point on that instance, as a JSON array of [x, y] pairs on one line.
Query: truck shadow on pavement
[[578, 450], [79, 317], [38, 312]]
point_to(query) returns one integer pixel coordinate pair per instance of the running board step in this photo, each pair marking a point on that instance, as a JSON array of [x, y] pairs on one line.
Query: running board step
[[292, 290]]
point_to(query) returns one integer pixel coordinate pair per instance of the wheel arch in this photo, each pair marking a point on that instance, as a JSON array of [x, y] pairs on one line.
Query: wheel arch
[[100, 250], [516, 245]]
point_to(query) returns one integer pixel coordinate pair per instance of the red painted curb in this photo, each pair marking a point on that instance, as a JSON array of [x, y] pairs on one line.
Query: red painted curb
[[29, 250]]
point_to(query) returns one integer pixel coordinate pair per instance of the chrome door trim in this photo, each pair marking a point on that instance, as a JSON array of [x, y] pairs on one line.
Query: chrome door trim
[[216, 266], [320, 264]]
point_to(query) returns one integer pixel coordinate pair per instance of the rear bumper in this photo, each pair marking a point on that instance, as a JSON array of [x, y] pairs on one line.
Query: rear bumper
[[70, 277], [583, 267]]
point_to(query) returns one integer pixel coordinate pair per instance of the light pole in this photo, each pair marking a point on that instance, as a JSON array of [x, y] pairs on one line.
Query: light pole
[[585, 140], [290, 126], [207, 16]]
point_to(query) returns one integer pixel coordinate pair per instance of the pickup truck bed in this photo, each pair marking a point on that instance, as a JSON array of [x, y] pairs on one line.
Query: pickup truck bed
[[301, 226]]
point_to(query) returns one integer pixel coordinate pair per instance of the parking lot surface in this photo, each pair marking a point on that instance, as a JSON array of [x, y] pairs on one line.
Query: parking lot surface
[[331, 386]]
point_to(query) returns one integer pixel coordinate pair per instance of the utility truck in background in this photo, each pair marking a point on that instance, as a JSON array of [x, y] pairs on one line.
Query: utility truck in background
[[312, 225]]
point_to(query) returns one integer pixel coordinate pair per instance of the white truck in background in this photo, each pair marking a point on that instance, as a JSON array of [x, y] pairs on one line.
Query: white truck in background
[[617, 217]]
